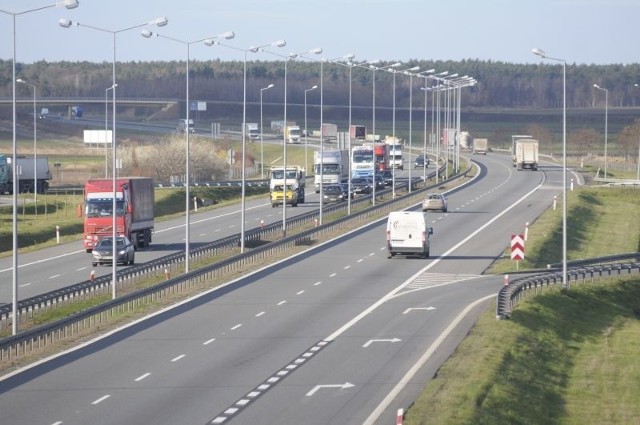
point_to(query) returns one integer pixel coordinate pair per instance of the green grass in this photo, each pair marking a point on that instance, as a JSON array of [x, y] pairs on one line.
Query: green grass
[[600, 221], [564, 357]]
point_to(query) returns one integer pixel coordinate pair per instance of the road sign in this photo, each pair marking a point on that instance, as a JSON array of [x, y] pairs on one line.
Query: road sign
[[517, 247]]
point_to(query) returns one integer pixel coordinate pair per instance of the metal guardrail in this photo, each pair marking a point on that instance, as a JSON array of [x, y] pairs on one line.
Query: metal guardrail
[[37, 338], [169, 263], [581, 270]]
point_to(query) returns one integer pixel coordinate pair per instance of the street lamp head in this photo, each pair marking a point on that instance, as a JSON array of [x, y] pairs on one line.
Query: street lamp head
[[270, 86], [316, 51], [65, 23], [147, 34], [161, 21], [348, 57], [395, 65], [443, 73], [279, 43], [314, 87], [373, 62], [20, 80], [70, 4], [228, 35], [597, 86], [538, 52]]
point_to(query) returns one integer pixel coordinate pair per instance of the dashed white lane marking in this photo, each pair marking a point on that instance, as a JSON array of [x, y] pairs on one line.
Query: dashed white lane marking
[[180, 357], [101, 399], [141, 377], [238, 326], [209, 341]]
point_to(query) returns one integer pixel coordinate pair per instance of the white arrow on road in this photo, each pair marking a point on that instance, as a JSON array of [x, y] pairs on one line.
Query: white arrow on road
[[371, 341], [318, 387], [417, 308]]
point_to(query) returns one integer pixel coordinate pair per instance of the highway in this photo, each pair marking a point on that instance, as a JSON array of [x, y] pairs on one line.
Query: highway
[[337, 335]]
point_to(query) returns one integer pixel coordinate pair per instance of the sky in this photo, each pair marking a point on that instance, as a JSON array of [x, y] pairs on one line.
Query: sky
[[579, 31]]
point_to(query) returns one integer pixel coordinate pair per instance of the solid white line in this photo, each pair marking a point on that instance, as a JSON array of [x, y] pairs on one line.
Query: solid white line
[[395, 291], [423, 359]]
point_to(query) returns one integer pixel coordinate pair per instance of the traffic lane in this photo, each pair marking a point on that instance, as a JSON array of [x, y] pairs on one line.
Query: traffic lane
[[56, 267], [380, 270], [280, 333], [349, 378], [345, 301]]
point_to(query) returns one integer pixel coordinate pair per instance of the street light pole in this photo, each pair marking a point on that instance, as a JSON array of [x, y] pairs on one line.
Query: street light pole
[[261, 140], [606, 124], [306, 132], [69, 4], [106, 129], [35, 155], [65, 23], [543, 55], [253, 49], [187, 130], [410, 73]]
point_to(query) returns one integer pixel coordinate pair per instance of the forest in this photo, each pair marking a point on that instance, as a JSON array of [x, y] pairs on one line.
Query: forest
[[535, 89]]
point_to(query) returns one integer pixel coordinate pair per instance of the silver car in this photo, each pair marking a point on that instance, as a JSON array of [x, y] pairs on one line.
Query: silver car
[[435, 202], [103, 251]]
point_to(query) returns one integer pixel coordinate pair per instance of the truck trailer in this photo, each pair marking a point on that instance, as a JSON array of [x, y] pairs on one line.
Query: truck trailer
[[26, 174], [526, 154], [135, 199], [330, 165], [480, 146]]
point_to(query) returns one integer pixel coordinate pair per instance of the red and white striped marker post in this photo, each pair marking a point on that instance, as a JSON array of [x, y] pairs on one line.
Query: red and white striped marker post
[[400, 417], [526, 231], [92, 275], [167, 275]]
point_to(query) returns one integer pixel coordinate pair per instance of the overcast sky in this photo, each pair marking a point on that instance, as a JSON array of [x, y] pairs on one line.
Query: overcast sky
[[579, 31]]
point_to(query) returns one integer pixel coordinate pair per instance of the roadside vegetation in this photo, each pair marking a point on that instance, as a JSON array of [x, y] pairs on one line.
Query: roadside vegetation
[[564, 357]]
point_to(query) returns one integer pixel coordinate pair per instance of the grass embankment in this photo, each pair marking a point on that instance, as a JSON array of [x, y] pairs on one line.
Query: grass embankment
[[37, 228], [564, 357]]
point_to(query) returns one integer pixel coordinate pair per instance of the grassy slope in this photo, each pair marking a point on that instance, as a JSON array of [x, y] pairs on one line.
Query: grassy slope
[[566, 358]]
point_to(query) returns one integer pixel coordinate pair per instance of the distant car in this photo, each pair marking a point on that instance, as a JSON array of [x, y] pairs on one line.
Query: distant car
[[435, 202], [360, 185], [102, 253], [387, 176], [333, 193], [379, 181], [345, 189], [421, 161]]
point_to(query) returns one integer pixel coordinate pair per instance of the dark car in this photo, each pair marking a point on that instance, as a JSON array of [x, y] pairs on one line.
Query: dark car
[[360, 185], [379, 181], [102, 253], [333, 193], [387, 176], [421, 161]]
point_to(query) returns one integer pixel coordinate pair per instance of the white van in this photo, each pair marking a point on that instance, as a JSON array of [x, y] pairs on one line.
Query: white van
[[408, 234]]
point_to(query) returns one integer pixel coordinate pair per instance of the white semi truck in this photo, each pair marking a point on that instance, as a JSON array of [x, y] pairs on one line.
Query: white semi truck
[[293, 179], [330, 165]]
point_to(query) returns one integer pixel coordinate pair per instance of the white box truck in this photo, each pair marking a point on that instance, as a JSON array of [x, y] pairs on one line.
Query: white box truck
[[408, 234]]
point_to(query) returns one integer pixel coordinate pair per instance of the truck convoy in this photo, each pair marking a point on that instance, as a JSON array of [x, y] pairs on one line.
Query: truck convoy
[[332, 166], [252, 130], [395, 146], [526, 154], [25, 174], [292, 133], [362, 162], [480, 146], [135, 200], [279, 186], [358, 133]]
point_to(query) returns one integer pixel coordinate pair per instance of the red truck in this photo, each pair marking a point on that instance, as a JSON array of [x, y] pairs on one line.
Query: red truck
[[134, 205], [381, 153]]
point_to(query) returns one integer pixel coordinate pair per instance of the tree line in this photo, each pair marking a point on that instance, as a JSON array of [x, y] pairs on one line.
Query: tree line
[[500, 84]]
